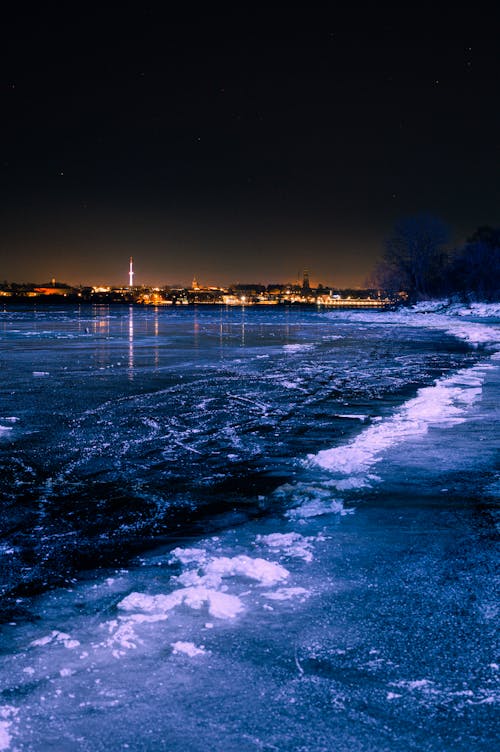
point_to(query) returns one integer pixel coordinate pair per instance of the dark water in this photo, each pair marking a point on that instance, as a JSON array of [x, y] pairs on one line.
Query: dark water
[[337, 601]]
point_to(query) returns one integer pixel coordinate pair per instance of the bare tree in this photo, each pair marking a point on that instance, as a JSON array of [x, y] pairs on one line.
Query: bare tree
[[476, 268], [415, 256]]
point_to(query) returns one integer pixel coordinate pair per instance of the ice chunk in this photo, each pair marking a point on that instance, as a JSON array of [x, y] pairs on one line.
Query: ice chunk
[[290, 544], [56, 636], [189, 555], [261, 570], [8, 714], [188, 648], [317, 508], [423, 684], [123, 632], [6, 429], [151, 603], [352, 484], [220, 605], [352, 416], [298, 347], [284, 594]]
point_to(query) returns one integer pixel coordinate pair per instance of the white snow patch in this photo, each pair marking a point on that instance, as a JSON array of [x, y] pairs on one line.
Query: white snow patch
[[221, 567], [290, 544], [123, 634], [189, 555], [56, 636], [354, 483], [201, 587], [415, 684], [220, 605], [263, 571], [284, 594], [298, 347], [289, 384], [8, 714], [318, 508], [352, 416], [188, 648]]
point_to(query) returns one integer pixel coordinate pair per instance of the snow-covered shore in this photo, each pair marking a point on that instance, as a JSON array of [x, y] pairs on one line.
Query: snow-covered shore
[[443, 403], [478, 310], [477, 324]]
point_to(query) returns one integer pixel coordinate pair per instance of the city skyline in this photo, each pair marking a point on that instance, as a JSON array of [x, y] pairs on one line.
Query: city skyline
[[302, 279], [122, 279]]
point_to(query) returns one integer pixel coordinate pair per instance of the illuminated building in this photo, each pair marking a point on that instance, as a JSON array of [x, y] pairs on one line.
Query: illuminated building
[[131, 272]]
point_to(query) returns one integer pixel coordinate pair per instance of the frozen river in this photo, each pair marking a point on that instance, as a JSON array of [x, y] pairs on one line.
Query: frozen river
[[248, 529]]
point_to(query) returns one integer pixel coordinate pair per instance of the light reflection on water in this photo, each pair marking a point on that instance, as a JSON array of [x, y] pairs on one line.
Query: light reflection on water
[[131, 343]]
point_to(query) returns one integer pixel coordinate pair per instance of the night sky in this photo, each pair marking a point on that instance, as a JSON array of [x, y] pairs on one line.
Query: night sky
[[239, 145]]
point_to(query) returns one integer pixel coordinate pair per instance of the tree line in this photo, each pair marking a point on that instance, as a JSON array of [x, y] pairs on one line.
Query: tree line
[[418, 261]]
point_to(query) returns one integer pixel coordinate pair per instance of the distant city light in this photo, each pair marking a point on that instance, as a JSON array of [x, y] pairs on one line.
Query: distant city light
[[131, 273]]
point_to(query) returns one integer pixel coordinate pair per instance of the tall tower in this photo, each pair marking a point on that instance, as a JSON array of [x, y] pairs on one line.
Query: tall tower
[[131, 273], [305, 280]]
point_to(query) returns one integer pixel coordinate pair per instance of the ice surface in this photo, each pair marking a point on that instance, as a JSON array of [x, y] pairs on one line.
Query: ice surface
[[381, 623]]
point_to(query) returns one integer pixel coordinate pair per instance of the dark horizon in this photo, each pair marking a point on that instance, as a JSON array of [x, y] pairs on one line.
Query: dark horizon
[[239, 146]]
